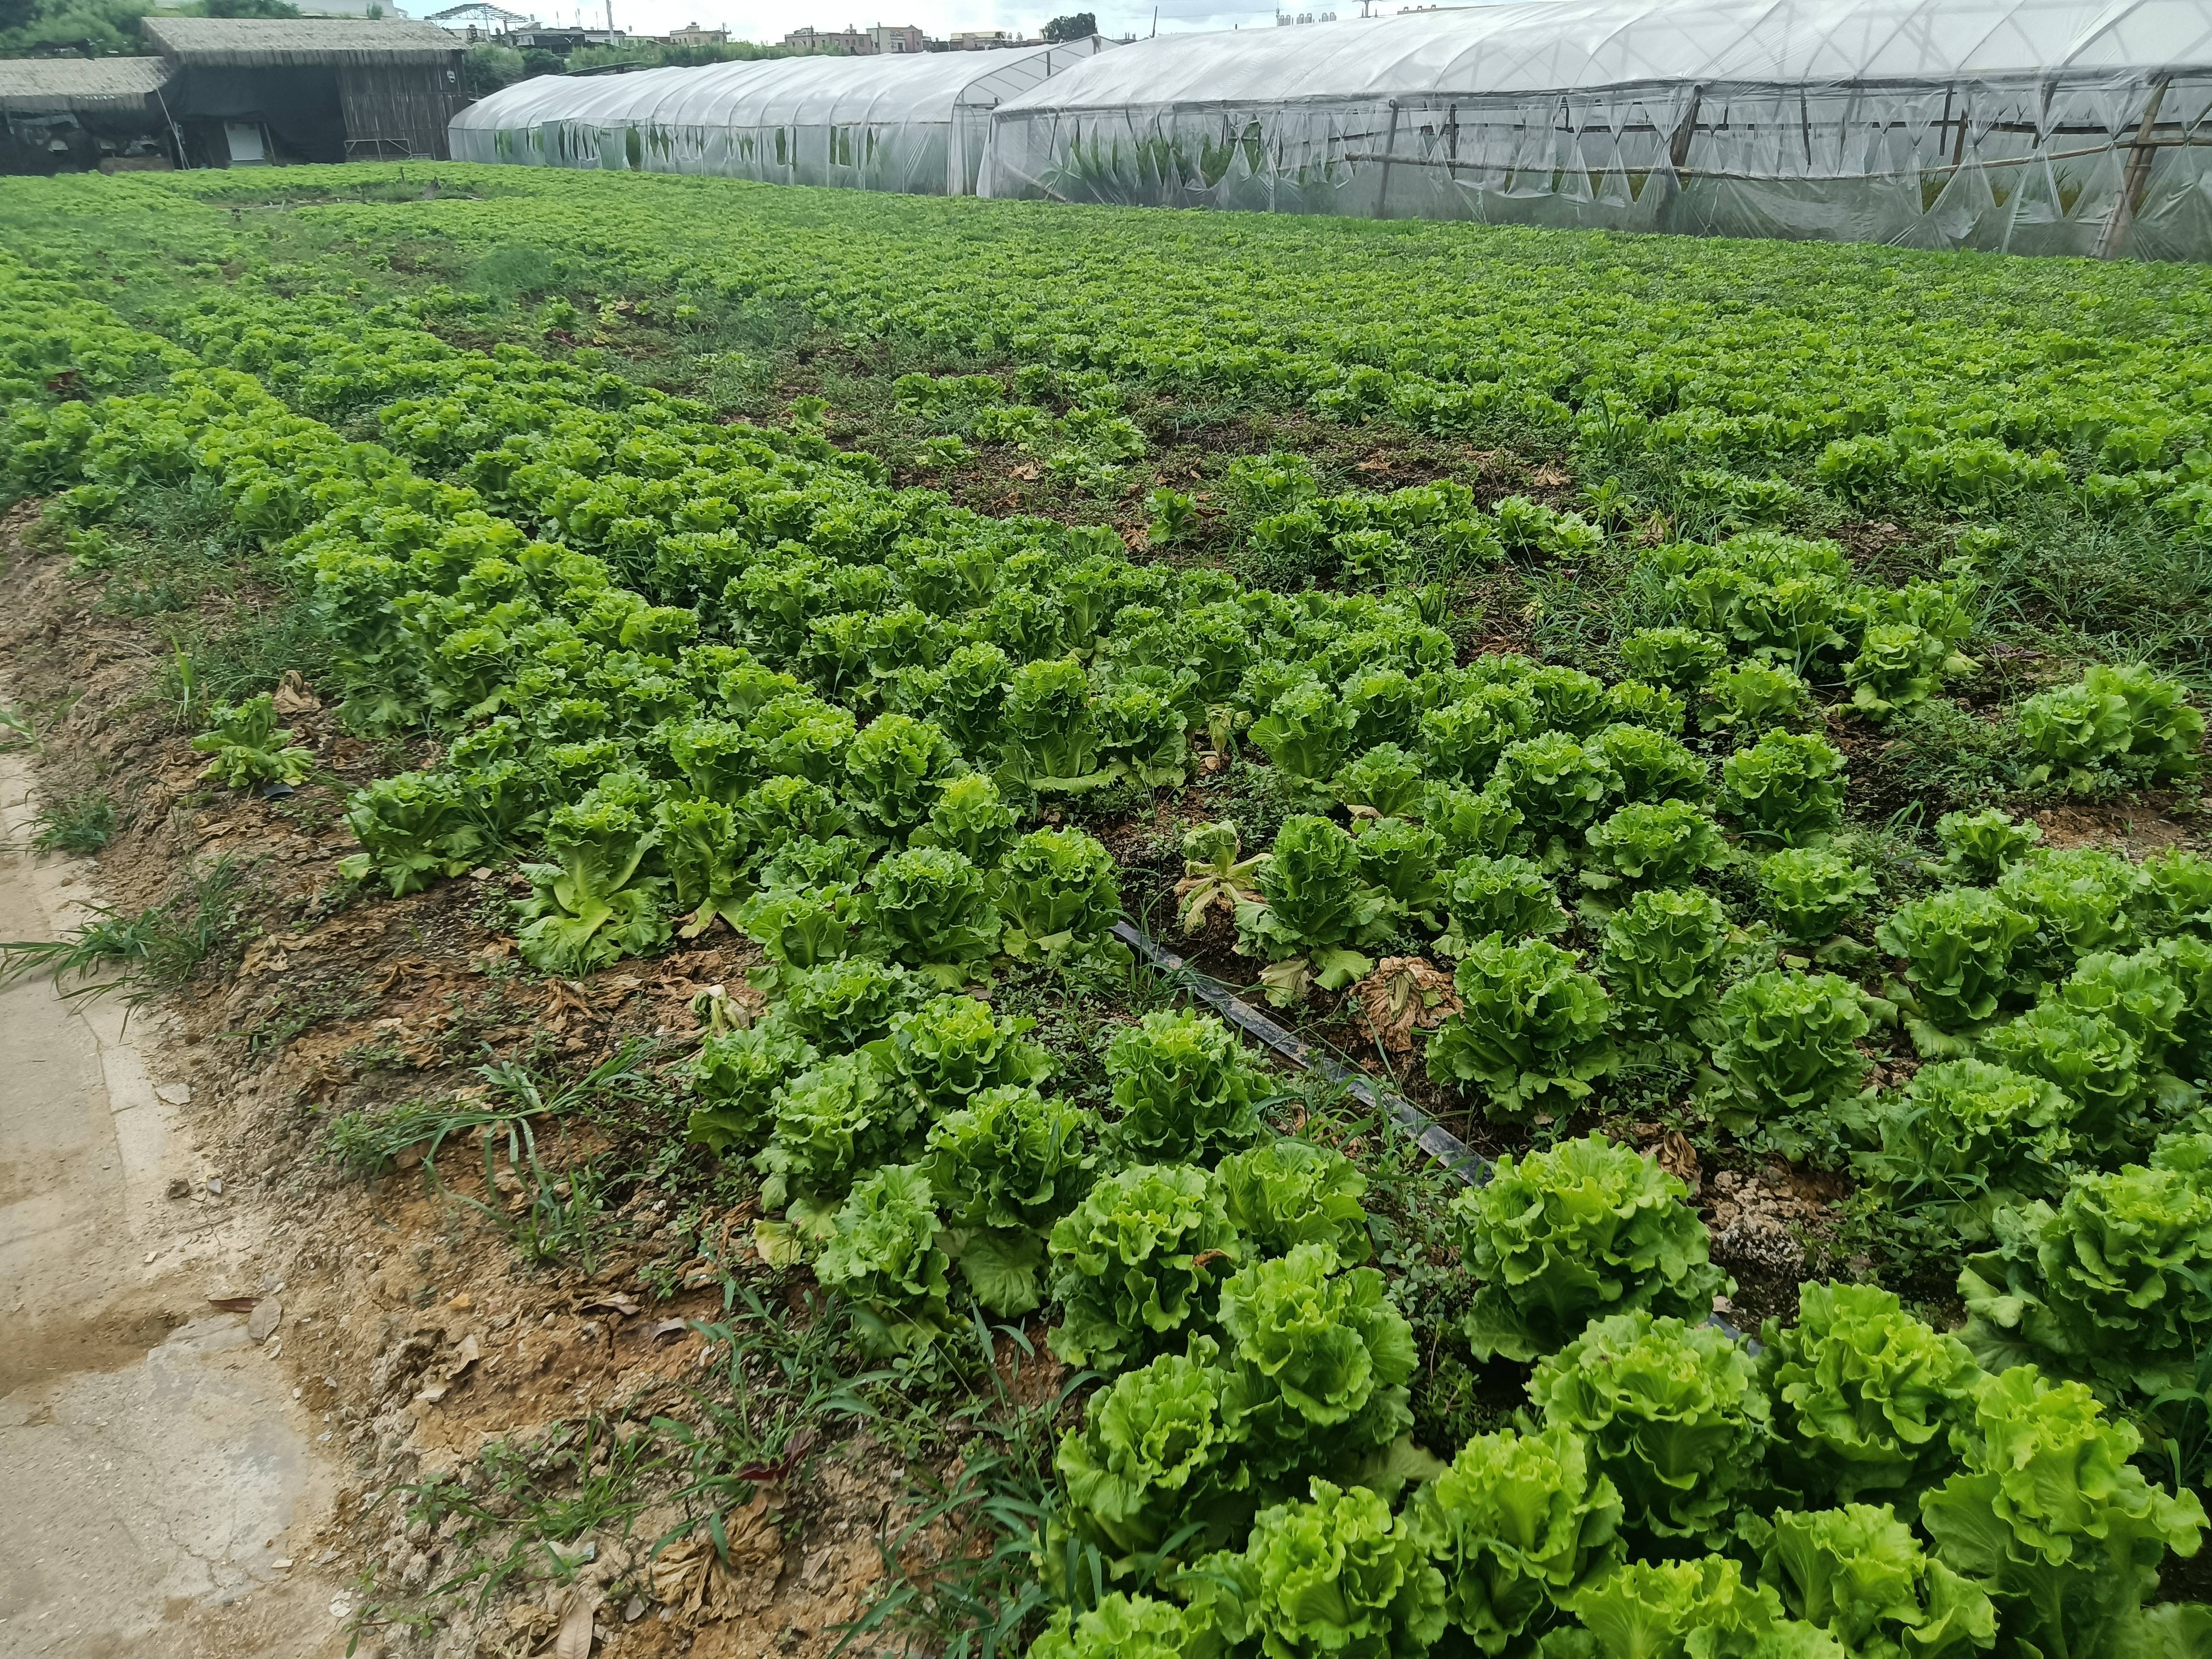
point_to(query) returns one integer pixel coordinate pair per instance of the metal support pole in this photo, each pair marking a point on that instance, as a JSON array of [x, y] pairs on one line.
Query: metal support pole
[[2134, 178]]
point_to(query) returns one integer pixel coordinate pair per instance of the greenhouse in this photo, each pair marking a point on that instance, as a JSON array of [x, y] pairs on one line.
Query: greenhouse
[[913, 123], [2045, 126]]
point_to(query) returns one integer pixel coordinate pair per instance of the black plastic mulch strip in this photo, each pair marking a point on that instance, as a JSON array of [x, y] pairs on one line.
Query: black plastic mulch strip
[[1438, 1142], [1458, 1157]]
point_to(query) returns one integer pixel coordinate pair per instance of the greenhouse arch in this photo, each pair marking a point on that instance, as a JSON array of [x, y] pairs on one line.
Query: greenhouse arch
[[2043, 126]]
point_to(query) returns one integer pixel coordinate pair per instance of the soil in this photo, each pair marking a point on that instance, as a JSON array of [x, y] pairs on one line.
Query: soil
[[233, 1359]]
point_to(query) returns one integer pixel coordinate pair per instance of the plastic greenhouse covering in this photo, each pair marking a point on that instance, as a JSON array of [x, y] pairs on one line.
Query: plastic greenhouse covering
[[914, 123], [2031, 125]]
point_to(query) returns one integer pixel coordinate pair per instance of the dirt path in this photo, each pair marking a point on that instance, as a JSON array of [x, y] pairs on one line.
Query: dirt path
[[162, 1485]]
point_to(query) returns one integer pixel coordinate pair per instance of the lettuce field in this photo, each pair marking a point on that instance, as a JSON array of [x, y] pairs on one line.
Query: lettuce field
[[1717, 726]]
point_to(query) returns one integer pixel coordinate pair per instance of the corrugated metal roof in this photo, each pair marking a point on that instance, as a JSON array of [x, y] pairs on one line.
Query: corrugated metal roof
[[255, 42], [30, 85]]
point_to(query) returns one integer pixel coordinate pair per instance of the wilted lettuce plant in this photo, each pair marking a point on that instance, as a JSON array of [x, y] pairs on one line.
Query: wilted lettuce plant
[[1557, 1237]]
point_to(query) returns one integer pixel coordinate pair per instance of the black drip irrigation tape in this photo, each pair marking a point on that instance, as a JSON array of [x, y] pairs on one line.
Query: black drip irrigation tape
[[1458, 1157], [1438, 1142]]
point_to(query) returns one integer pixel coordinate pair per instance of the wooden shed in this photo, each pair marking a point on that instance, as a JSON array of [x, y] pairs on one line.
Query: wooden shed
[[251, 89], [69, 114]]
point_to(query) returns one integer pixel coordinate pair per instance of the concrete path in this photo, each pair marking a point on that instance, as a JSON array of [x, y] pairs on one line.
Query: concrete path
[[156, 1482]]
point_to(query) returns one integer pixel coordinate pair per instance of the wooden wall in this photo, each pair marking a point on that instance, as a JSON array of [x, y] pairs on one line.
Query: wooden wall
[[400, 112]]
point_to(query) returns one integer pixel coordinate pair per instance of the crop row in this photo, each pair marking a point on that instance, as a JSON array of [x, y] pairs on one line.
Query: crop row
[[716, 675]]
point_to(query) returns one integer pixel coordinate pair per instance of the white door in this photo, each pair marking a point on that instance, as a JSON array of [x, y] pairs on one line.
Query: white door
[[245, 146]]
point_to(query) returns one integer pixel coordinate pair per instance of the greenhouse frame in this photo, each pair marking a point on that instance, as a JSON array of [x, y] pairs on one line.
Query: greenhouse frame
[[2034, 126], [916, 123]]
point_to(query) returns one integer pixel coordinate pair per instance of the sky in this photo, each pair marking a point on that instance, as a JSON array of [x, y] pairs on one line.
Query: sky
[[771, 20]]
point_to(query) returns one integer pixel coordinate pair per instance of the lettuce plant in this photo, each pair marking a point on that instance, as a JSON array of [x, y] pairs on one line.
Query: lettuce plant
[[1005, 1166], [2122, 717], [2079, 899], [931, 909], [1865, 1397], [846, 1004], [2114, 1285], [1859, 1573], [1531, 1031], [1668, 844], [2050, 1518], [1317, 1360], [1566, 699], [1963, 1137], [1386, 705], [1787, 790], [1681, 658], [951, 1047], [1506, 896], [1898, 664], [1328, 1577], [413, 828], [1520, 1521], [1638, 702], [704, 850], [1957, 947], [1699, 1608], [1461, 741], [895, 771], [1386, 781], [1153, 1470], [782, 807], [1651, 766], [2173, 893], [1056, 888], [1399, 860], [735, 1077], [1121, 1627], [1755, 698], [816, 861], [1315, 908], [1560, 786], [1306, 732], [246, 747], [883, 1254], [833, 1120], [1980, 847], [1663, 958], [1673, 1414], [1811, 892], [803, 927], [1471, 821], [1051, 730], [969, 818], [1183, 1088], [2137, 992], [1789, 1046], [1215, 874], [593, 907], [1285, 1193], [1140, 1259], [715, 757], [1557, 1237], [2089, 1057]]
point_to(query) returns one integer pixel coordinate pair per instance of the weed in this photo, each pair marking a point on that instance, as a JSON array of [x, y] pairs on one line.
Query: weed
[[155, 950], [81, 823]]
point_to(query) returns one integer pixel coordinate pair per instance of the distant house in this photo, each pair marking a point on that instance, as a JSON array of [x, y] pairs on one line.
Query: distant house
[[692, 35], [905, 37], [854, 42]]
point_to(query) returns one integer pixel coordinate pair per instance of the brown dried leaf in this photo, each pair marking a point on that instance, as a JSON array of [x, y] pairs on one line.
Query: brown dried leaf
[[1403, 995], [1679, 1159]]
